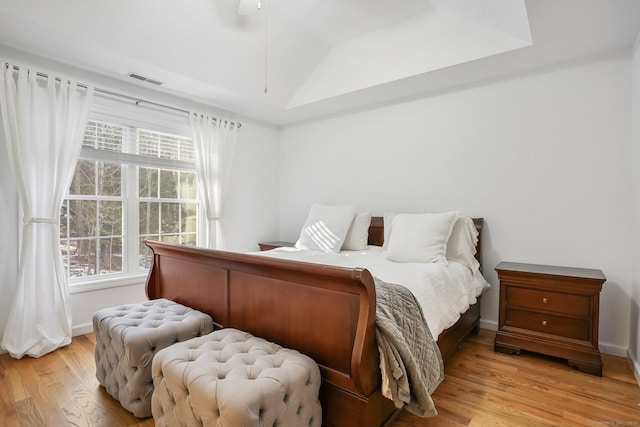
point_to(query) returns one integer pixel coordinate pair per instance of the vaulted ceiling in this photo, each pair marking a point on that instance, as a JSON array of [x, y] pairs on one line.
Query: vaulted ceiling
[[315, 57]]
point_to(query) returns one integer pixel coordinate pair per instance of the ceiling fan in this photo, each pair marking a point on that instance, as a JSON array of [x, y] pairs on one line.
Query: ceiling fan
[[249, 7]]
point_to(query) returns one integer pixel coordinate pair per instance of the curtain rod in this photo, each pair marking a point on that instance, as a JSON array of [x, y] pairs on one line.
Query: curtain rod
[[137, 100]]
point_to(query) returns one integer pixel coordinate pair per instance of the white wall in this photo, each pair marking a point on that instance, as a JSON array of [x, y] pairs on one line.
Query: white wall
[[634, 328], [544, 158], [252, 210]]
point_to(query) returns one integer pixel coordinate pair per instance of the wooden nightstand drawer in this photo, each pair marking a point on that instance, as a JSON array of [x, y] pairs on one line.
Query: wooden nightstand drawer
[[554, 302], [548, 323]]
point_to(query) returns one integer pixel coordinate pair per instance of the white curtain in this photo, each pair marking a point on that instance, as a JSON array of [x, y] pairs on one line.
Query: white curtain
[[214, 140], [44, 121]]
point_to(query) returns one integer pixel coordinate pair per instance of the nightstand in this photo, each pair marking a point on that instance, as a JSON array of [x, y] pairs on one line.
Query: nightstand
[[550, 310], [265, 246]]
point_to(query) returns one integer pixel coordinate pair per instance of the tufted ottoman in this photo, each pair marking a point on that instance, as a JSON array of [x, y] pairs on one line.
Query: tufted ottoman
[[128, 336], [231, 378]]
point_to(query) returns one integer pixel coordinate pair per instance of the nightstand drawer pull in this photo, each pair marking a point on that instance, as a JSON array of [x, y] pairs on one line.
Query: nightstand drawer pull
[[544, 323], [545, 300]]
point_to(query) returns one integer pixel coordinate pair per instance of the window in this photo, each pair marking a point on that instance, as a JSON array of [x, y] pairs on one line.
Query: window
[[130, 184]]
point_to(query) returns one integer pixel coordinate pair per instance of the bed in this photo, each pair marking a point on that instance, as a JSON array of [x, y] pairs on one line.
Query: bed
[[327, 312]]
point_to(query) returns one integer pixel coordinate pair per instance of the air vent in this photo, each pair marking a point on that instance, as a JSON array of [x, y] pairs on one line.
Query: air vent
[[144, 79]]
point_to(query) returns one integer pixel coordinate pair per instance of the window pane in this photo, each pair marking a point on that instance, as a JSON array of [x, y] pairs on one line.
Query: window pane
[[82, 258], [169, 147], [84, 179], [110, 255], [189, 218], [109, 179], [149, 218], [103, 136], [64, 249], [144, 259], [172, 238], [170, 214], [187, 152], [110, 218], [82, 216], [64, 209], [148, 182], [188, 185], [162, 145], [168, 184], [188, 239], [148, 144]]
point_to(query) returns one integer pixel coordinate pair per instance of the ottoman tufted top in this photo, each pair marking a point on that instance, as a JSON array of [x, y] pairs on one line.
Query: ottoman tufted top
[[149, 314], [236, 355], [136, 320], [232, 375]]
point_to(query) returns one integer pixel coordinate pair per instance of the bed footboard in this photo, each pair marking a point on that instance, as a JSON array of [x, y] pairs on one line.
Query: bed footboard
[[323, 311]]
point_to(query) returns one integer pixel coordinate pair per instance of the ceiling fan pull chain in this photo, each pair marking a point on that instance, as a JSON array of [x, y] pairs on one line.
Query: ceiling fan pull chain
[[266, 44]]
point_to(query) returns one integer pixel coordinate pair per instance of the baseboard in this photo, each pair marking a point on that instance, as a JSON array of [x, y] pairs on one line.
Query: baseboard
[[615, 350], [82, 329], [635, 365], [491, 325]]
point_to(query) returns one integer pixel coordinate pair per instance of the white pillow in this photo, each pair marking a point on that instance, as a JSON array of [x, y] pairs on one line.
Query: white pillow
[[387, 221], [326, 228], [462, 244], [358, 234], [420, 237]]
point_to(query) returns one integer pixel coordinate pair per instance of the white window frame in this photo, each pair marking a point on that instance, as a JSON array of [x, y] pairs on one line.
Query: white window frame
[[116, 111]]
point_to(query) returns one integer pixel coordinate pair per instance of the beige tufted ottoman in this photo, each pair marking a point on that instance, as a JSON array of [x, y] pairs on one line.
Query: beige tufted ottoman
[[231, 378], [128, 336]]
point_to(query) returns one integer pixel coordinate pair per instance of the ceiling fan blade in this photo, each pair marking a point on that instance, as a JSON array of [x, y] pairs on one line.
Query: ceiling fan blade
[[249, 7]]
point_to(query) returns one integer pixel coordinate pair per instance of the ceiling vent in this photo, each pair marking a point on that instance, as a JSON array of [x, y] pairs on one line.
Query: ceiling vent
[[145, 79]]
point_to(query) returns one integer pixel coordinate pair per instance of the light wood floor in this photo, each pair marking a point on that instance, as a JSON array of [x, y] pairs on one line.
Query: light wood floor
[[481, 388]]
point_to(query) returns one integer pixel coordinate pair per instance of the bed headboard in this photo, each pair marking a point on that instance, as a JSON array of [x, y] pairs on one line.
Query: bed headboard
[[376, 234]]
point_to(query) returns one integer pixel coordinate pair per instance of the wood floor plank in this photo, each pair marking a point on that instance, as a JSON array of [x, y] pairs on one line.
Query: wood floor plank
[[43, 390], [481, 388], [495, 389], [28, 414], [554, 394], [15, 385], [8, 416]]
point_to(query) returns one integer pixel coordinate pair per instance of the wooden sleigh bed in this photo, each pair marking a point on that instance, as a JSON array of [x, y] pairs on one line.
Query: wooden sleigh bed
[[323, 311]]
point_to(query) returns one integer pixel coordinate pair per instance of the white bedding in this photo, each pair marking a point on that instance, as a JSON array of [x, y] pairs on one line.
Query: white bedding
[[443, 291]]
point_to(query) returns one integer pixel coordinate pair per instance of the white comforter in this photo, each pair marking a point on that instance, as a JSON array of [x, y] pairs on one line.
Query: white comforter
[[443, 291]]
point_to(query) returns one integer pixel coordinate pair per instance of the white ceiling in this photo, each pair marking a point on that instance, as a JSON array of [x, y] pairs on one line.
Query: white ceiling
[[322, 56]]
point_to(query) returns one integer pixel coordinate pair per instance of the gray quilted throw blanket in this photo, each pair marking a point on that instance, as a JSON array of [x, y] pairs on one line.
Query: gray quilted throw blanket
[[410, 360]]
